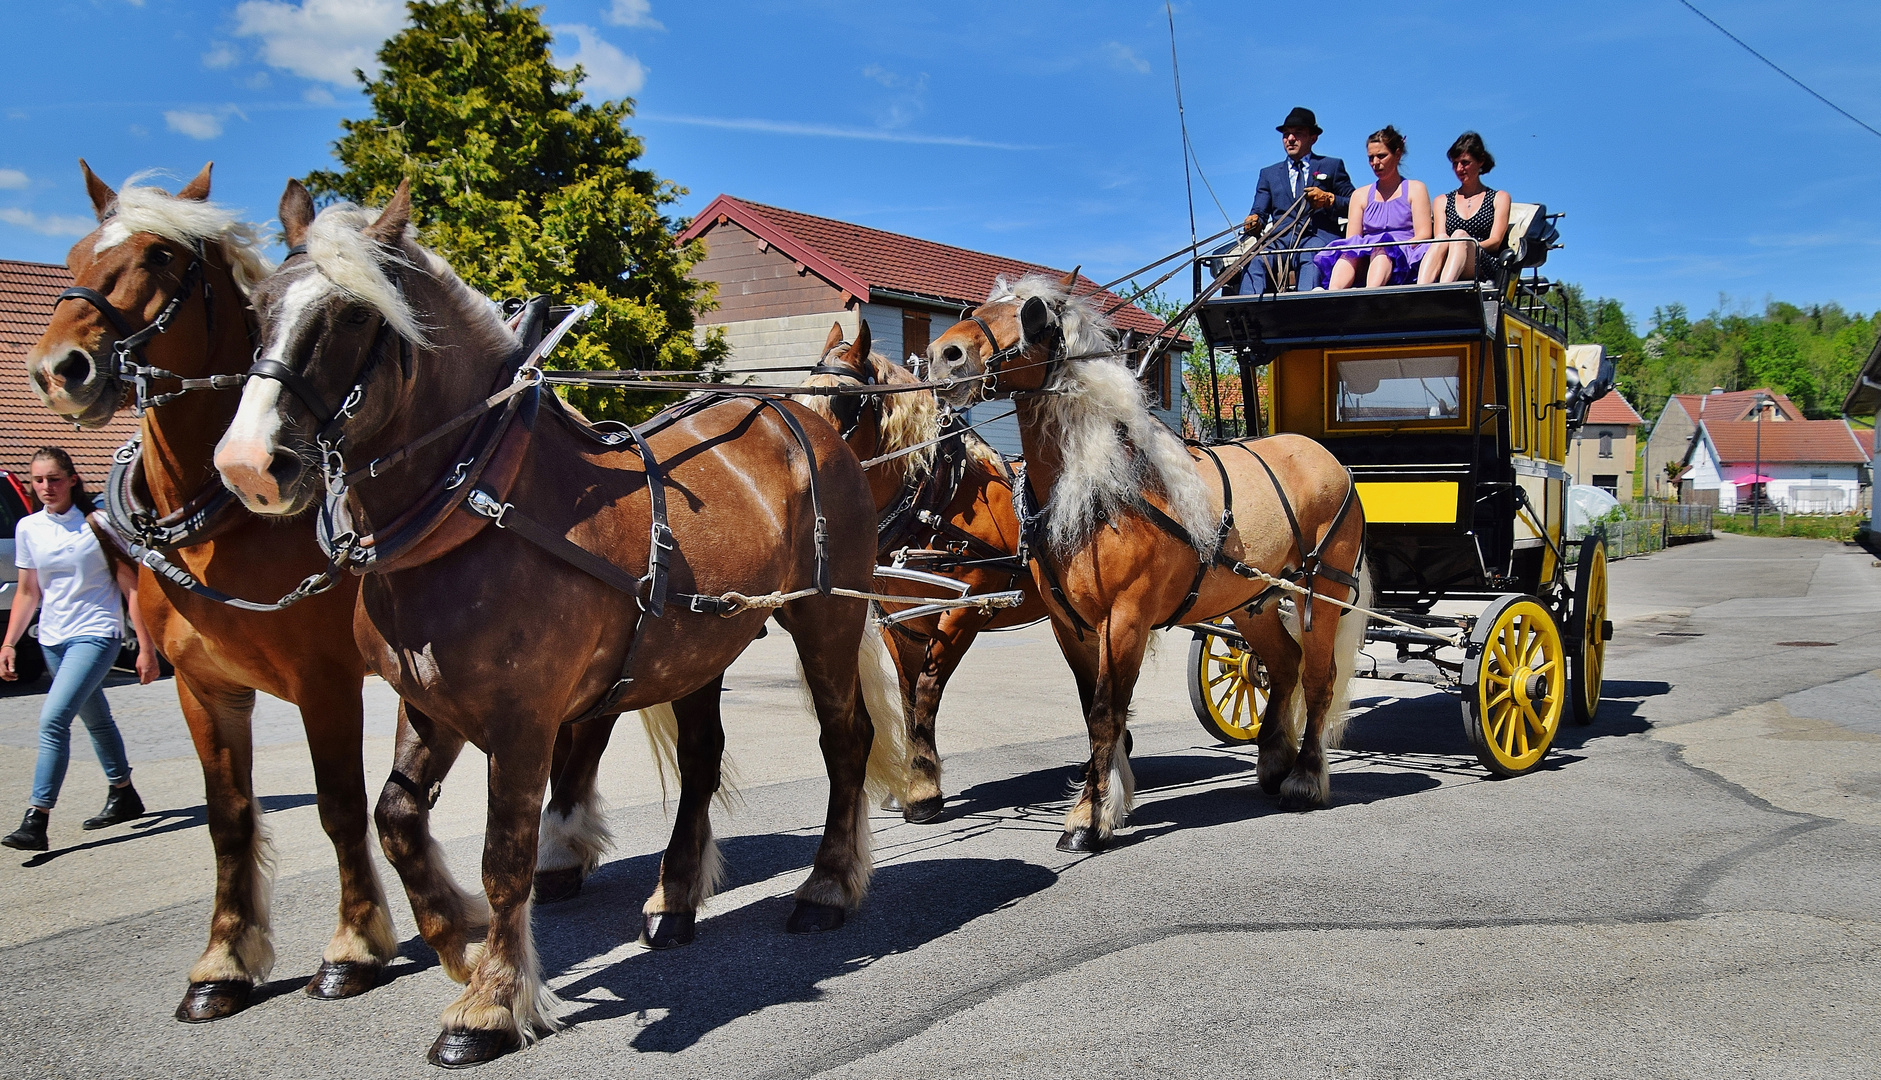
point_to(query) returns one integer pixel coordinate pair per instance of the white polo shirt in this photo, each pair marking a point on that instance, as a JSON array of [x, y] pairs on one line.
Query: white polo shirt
[[79, 596]]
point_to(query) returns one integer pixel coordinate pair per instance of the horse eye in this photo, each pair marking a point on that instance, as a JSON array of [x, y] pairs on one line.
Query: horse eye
[[161, 256], [357, 315]]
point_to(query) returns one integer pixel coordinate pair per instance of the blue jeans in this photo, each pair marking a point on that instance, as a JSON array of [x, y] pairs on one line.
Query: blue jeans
[[78, 667]]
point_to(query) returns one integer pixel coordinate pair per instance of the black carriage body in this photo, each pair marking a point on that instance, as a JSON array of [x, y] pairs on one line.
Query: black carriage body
[[1445, 401]]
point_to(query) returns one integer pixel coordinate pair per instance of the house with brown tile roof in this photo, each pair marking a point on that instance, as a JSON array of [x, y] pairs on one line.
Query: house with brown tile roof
[[784, 276], [1803, 466], [27, 290], [1605, 447], [1671, 437]]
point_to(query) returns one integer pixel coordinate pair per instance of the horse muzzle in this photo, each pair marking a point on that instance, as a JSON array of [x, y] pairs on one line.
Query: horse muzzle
[[75, 384], [269, 478]]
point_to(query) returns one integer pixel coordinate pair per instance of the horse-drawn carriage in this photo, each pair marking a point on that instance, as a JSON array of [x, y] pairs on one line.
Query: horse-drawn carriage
[[1452, 405]]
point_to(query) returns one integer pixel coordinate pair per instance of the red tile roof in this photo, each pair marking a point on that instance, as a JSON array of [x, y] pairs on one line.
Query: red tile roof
[[858, 259], [1613, 409], [1802, 442], [1733, 404], [26, 293]]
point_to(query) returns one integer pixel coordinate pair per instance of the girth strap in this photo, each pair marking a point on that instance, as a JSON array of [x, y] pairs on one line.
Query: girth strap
[[1034, 543]]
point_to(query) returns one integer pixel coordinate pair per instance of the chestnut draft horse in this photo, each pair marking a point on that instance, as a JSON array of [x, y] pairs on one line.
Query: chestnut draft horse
[[164, 281], [510, 613], [945, 509], [1132, 531]]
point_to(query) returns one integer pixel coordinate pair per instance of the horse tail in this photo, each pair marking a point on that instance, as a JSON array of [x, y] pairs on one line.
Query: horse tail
[[888, 773], [1345, 652], [662, 727]]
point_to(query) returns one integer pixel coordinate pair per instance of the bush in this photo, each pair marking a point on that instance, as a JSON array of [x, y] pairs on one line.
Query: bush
[[1809, 526]]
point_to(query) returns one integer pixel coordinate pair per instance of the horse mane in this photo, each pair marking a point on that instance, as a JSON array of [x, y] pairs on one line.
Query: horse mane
[[141, 208], [1114, 448], [907, 419]]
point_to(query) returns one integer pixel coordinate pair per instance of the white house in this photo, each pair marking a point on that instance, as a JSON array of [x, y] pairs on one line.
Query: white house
[[1804, 466]]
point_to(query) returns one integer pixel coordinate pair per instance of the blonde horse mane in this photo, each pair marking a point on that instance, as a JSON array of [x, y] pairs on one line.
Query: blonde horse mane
[[907, 419], [141, 208], [1114, 447]]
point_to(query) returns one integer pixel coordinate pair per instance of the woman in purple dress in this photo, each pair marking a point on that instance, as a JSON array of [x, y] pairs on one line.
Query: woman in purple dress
[[1391, 209]]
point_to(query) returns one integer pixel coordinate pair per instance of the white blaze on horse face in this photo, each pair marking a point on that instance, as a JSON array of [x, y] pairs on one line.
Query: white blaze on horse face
[[246, 452]]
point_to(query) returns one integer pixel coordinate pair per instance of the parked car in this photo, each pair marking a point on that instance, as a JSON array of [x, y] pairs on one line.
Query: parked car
[[14, 505]]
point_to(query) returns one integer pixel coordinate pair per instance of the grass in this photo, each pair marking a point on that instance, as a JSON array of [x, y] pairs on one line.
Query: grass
[[1809, 526]]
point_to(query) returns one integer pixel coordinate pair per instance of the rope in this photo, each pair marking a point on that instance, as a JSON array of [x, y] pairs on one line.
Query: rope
[[986, 602], [1454, 638], [935, 441]]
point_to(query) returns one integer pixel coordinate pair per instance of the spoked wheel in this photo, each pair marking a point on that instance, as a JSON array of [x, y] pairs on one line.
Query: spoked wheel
[[1514, 685], [1588, 628], [1228, 687]]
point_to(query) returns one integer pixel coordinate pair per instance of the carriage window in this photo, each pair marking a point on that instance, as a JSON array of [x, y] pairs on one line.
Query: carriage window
[[1399, 388]]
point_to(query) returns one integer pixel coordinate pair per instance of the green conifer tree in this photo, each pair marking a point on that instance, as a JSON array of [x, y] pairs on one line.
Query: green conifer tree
[[527, 188]]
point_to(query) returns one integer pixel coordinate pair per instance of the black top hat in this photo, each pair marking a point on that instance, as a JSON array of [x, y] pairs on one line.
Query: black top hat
[[1300, 118]]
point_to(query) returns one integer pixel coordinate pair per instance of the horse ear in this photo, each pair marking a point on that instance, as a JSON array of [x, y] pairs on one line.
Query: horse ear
[[297, 213], [197, 190], [390, 228], [101, 194], [858, 354], [1035, 318], [834, 339], [1070, 281]]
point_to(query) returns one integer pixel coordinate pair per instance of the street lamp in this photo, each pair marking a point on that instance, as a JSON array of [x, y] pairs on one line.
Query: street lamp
[[1756, 477]]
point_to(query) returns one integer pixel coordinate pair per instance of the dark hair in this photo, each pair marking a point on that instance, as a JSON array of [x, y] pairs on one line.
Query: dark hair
[[80, 497], [1389, 136], [1472, 144]]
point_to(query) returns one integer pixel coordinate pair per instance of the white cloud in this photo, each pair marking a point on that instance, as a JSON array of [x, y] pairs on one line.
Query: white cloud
[[611, 73], [12, 179], [197, 125], [1122, 57], [220, 55], [633, 13], [321, 39], [49, 225], [828, 131], [317, 95]]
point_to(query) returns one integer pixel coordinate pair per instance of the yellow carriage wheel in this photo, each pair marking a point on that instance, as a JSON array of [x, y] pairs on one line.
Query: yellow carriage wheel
[[1228, 687], [1514, 685], [1589, 628]]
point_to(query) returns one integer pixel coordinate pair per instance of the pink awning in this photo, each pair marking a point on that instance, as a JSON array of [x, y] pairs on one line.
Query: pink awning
[[1755, 479]]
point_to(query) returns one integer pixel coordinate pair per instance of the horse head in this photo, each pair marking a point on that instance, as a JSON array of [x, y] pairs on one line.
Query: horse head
[[139, 280], [876, 423], [1013, 343]]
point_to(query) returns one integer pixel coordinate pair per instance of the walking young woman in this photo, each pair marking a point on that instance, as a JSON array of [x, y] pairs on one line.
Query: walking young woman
[[80, 595]]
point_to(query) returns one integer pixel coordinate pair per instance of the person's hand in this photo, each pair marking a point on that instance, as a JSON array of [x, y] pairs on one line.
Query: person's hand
[[147, 670], [7, 671], [1319, 197], [1251, 224]]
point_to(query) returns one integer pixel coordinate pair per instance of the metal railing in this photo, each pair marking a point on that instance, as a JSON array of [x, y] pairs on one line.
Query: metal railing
[[1648, 527]]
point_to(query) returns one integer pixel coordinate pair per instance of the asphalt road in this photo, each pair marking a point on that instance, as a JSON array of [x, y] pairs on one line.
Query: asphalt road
[[1689, 889]]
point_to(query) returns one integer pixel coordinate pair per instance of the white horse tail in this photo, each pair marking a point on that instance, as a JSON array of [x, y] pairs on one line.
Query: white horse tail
[[661, 724], [888, 773], [1345, 653]]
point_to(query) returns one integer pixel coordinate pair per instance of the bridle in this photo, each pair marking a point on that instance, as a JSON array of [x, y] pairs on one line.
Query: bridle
[[127, 354], [1047, 331], [849, 409]]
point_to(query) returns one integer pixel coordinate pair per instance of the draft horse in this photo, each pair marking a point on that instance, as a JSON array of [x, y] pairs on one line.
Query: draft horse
[[495, 600], [946, 509], [163, 282], [1129, 531]]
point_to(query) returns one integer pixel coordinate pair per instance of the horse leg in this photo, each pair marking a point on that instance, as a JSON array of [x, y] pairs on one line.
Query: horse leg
[[448, 917], [1108, 663], [574, 823], [364, 941], [1285, 715], [827, 647], [940, 658], [241, 949], [1331, 656], [506, 1004], [920, 699], [690, 870]]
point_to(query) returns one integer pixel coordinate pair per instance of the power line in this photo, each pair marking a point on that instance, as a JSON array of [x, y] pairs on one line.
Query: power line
[[1778, 70]]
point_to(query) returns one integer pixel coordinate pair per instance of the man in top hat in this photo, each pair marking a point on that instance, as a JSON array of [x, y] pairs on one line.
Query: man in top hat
[[1328, 192]]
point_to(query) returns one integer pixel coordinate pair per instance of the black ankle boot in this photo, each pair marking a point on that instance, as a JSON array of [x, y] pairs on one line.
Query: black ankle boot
[[122, 804], [31, 835]]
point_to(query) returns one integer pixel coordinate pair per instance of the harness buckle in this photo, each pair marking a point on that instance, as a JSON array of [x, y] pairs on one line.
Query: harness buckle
[[481, 502], [458, 472], [701, 604]]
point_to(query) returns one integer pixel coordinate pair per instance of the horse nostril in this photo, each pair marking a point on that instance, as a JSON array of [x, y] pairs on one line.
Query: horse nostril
[[951, 354], [284, 467], [74, 367]]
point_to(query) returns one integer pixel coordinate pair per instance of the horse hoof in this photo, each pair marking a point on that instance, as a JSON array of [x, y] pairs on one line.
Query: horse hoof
[[462, 1049], [555, 886], [811, 918], [1081, 839], [344, 979], [667, 930], [206, 1001], [922, 811]]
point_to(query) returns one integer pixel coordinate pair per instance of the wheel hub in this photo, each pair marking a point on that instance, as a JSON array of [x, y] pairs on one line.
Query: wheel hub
[[1534, 686]]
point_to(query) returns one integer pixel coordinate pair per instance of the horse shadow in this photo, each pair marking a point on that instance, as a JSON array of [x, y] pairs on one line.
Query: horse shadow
[[679, 997], [158, 822]]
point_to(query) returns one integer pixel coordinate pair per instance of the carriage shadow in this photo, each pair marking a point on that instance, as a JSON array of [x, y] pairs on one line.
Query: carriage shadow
[[680, 997], [1620, 705]]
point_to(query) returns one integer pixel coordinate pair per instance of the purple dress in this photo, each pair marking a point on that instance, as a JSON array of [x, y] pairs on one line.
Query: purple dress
[[1384, 220]]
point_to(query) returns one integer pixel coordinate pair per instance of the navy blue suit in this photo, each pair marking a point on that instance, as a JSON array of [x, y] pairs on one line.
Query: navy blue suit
[[1274, 193]]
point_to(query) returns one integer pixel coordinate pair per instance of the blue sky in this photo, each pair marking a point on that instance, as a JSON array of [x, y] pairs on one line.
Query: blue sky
[[1047, 130]]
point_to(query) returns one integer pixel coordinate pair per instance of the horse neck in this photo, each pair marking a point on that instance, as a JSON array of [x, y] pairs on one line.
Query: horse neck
[[1044, 457], [180, 437], [885, 479]]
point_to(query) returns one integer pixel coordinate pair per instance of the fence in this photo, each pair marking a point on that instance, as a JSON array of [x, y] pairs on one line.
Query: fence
[[1648, 526]]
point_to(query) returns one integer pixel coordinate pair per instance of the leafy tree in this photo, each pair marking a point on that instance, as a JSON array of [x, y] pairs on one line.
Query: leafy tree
[[527, 188]]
